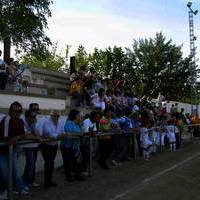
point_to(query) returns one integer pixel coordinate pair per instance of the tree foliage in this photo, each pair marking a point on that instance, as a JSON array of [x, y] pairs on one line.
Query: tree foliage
[[151, 66], [161, 67], [50, 59], [24, 22]]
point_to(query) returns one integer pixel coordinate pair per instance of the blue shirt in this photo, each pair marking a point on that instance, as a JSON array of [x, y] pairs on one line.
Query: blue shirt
[[72, 127], [126, 123]]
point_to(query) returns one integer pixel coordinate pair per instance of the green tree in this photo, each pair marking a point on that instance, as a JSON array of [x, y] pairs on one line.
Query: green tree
[[22, 23], [161, 68], [50, 59], [81, 57]]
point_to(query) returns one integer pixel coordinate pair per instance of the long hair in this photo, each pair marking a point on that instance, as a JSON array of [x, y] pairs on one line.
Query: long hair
[[72, 114]]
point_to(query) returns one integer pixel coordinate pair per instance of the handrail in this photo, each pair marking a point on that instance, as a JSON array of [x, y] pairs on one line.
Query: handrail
[[83, 134]]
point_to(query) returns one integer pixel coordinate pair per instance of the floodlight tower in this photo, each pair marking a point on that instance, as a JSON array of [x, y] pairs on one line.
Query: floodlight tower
[[193, 38]]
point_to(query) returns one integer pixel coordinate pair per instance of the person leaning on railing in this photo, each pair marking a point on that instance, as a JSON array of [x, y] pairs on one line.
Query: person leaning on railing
[[30, 150], [105, 142], [52, 128], [70, 147], [89, 126], [12, 131]]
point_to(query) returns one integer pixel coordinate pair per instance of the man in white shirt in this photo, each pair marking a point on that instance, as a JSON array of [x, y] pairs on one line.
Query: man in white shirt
[[89, 125], [51, 130]]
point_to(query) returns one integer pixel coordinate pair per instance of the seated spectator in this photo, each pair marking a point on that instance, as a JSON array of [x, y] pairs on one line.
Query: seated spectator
[[108, 100], [22, 78], [10, 66], [3, 76], [98, 100], [98, 85], [76, 90]]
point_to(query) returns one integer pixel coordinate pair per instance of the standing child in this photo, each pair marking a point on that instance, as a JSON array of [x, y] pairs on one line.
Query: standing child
[[146, 143], [170, 128]]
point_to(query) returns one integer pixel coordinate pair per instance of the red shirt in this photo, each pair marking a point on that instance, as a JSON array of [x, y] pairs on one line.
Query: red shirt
[[16, 128]]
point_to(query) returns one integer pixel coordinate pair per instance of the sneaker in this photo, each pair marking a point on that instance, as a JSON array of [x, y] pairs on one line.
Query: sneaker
[[85, 173], [26, 188], [24, 192], [79, 178], [4, 195], [114, 162], [35, 185]]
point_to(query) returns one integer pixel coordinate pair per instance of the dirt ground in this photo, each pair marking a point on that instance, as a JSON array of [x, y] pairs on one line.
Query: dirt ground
[[167, 176]]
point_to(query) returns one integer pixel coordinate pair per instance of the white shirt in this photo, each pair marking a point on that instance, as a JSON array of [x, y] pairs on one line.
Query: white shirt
[[27, 131], [1, 62], [51, 129], [88, 126]]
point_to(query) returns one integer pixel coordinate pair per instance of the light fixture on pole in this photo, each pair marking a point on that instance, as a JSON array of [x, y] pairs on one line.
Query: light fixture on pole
[[193, 38]]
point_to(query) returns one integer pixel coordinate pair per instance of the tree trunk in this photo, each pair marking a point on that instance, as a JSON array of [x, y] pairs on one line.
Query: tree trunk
[[7, 48]]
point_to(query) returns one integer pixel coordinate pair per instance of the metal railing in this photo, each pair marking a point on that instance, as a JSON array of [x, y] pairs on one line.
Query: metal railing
[[75, 135]]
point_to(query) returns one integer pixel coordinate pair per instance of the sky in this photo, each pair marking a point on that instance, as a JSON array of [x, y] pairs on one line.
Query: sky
[[103, 23]]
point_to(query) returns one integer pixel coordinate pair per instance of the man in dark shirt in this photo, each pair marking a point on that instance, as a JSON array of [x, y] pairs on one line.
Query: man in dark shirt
[[11, 130]]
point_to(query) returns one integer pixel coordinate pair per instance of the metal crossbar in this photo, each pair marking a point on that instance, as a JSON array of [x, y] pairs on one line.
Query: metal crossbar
[[72, 135]]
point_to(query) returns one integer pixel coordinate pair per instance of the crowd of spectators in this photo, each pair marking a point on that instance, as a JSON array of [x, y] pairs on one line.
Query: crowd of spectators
[[148, 130], [14, 73], [121, 126]]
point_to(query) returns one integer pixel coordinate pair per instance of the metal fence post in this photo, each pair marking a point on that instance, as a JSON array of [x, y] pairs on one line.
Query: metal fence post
[[91, 155], [135, 146], [10, 183]]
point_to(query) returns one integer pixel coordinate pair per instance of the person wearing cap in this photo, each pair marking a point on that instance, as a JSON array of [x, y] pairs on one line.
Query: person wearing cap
[[52, 129], [40, 120], [30, 150]]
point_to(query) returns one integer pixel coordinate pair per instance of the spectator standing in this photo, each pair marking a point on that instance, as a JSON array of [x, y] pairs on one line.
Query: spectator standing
[[30, 150], [70, 147], [105, 141], [89, 126], [12, 130], [51, 130]]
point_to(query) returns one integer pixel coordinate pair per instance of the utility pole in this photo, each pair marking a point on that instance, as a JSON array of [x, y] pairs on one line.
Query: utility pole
[[193, 38]]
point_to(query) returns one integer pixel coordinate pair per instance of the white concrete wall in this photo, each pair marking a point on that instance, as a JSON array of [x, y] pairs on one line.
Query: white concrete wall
[[44, 103]]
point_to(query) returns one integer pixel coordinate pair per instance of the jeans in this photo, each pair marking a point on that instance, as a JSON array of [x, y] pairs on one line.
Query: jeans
[[4, 171], [119, 148], [29, 170], [70, 163], [105, 149], [49, 154], [85, 152]]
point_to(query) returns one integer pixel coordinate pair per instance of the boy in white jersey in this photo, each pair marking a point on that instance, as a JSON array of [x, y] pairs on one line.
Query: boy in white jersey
[[170, 129], [155, 138], [146, 143]]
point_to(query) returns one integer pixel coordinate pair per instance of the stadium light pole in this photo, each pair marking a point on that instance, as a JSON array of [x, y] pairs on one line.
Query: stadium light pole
[[193, 38]]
